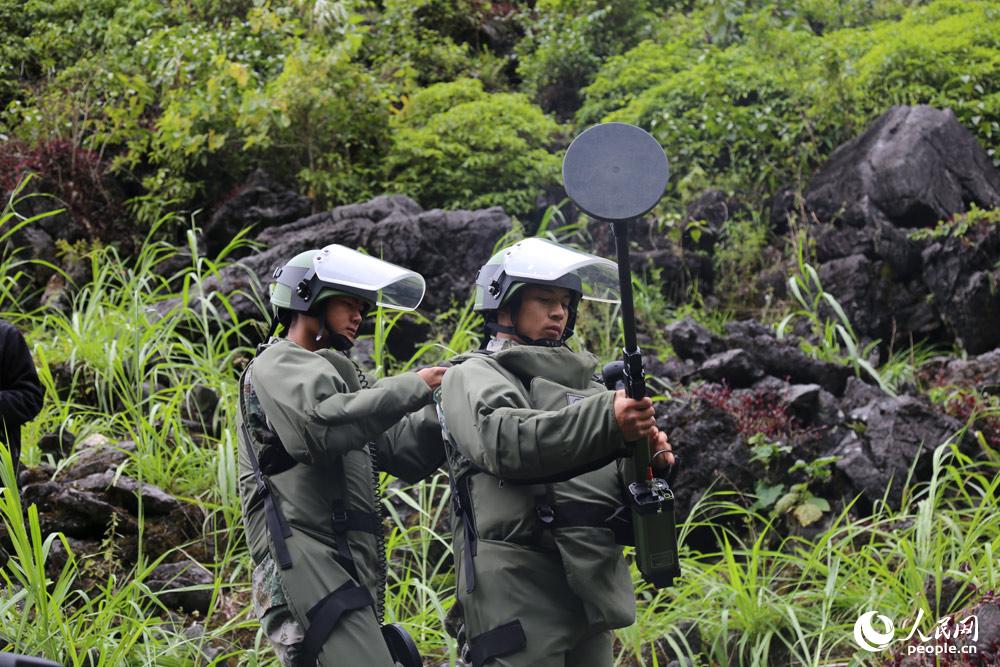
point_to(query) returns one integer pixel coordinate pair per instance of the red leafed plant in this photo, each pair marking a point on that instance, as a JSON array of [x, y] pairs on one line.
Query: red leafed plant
[[760, 411], [77, 177]]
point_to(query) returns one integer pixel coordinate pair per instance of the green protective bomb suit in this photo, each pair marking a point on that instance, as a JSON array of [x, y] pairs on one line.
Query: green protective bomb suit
[[332, 430], [533, 447], [312, 438]]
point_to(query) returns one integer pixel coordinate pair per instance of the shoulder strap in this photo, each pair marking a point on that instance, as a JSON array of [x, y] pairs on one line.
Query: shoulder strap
[[277, 525], [459, 470]]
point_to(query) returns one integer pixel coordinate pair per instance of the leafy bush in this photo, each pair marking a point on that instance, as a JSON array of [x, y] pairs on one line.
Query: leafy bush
[[322, 121], [567, 41], [946, 54], [420, 42], [768, 107], [732, 113], [188, 107], [727, 22], [455, 145], [75, 177], [624, 77]]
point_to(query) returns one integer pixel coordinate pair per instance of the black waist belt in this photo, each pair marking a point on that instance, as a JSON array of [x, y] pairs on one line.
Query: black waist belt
[[326, 614], [578, 514], [345, 520], [500, 641]]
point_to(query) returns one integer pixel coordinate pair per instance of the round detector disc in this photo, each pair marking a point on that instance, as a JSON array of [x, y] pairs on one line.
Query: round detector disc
[[615, 171]]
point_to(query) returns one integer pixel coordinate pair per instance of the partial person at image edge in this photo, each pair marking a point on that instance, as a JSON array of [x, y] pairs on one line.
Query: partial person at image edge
[[20, 391]]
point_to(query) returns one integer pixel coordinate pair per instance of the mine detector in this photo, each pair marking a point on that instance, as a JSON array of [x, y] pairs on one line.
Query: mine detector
[[616, 173]]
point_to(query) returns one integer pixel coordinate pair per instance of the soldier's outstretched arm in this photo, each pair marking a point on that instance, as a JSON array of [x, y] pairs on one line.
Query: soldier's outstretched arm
[[412, 449], [317, 416], [493, 427]]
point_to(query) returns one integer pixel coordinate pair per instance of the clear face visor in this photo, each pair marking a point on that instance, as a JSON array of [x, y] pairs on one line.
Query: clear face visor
[[382, 283], [538, 260]]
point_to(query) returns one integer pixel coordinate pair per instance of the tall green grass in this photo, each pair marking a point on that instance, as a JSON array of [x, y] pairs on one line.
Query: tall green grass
[[764, 598]]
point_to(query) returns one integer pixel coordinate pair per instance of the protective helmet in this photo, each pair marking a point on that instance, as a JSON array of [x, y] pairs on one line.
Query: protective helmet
[[538, 261], [315, 275]]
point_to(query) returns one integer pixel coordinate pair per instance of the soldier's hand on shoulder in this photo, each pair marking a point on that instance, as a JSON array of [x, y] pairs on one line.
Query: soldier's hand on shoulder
[[635, 417], [432, 376]]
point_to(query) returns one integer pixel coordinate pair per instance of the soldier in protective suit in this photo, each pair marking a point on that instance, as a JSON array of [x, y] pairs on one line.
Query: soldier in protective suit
[[313, 436], [533, 444]]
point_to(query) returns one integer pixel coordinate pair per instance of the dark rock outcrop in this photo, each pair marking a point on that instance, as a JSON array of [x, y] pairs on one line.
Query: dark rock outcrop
[[97, 454], [97, 507], [912, 167], [747, 407], [890, 435], [705, 218], [692, 341], [186, 585], [761, 353], [679, 269], [737, 367], [262, 203], [129, 493], [962, 274], [58, 444], [783, 358], [724, 464], [877, 302], [446, 247], [981, 372]]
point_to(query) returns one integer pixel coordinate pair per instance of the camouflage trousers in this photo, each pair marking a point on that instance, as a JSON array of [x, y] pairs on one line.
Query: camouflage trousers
[[281, 629]]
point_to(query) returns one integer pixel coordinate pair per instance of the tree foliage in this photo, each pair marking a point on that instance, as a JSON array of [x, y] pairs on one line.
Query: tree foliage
[[455, 144], [567, 40], [769, 102], [178, 101]]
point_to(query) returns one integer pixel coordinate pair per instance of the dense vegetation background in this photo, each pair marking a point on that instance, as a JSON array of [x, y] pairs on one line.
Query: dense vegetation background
[[142, 117], [128, 109]]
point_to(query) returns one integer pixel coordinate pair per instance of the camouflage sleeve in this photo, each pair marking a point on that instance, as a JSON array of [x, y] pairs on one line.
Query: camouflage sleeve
[[284, 633]]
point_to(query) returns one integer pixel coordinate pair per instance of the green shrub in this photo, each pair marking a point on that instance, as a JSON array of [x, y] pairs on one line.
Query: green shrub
[[946, 54], [769, 107], [323, 121], [568, 40], [726, 22], [733, 113], [455, 145], [416, 43], [189, 107], [624, 77]]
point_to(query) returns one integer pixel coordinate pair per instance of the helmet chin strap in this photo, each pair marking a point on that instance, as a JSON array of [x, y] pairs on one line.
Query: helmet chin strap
[[492, 327], [338, 342]]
